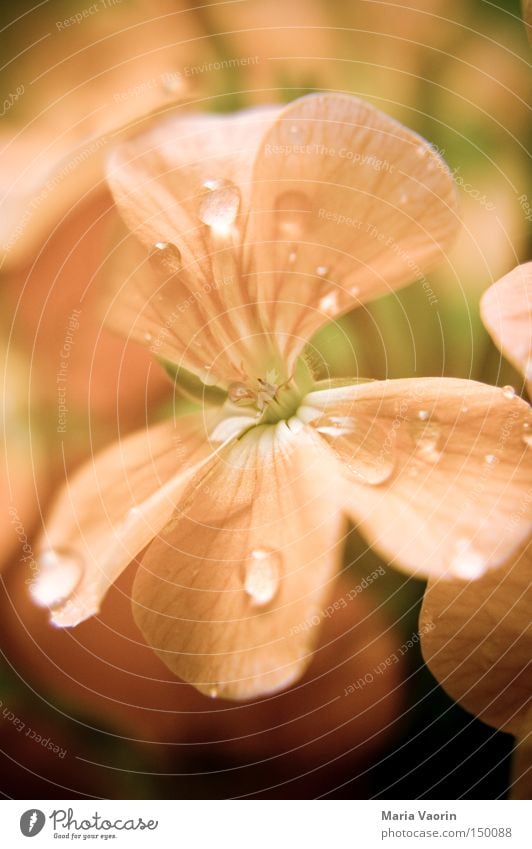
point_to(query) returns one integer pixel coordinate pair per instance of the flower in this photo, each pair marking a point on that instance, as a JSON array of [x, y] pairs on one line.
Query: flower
[[480, 644], [260, 227]]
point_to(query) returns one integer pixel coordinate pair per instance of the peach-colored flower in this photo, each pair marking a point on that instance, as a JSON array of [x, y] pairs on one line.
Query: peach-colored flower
[[261, 227], [82, 80], [481, 643], [506, 309]]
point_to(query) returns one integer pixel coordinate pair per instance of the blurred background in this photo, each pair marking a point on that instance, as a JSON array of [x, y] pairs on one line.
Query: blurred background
[[91, 712]]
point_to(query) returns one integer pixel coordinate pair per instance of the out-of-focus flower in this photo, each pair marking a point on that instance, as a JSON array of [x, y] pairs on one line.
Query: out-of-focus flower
[[481, 644], [75, 82], [506, 310], [262, 227]]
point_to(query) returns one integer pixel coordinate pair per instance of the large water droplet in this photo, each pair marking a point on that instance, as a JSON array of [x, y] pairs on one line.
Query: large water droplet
[[367, 453], [292, 214], [60, 572], [165, 257], [426, 434], [219, 207], [466, 562], [490, 459], [262, 572], [508, 392]]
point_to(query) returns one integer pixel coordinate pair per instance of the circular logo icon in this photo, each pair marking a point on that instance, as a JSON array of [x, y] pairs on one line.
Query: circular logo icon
[[32, 822]]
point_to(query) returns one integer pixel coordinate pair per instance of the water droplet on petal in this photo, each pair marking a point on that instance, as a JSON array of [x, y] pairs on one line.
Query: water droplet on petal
[[213, 691], [466, 562], [403, 198], [219, 207], [207, 377], [527, 434], [354, 291], [171, 82], [60, 572], [292, 214], [368, 453], [426, 434], [262, 573], [490, 459], [329, 303], [147, 336], [508, 392], [165, 257], [322, 270], [292, 256]]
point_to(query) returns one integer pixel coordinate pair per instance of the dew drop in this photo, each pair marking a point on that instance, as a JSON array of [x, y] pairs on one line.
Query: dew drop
[[292, 213], [508, 392], [465, 562], [322, 270], [165, 257], [292, 257], [60, 572], [403, 199], [329, 303], [354, 291], [147, 336], [526, 434], [262, 572], [426, 434], [171, 83], [490, 459], [207, 377], [367, 455], [219, 207], [213, 691]]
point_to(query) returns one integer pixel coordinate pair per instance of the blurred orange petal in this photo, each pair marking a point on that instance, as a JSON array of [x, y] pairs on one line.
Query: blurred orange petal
[[477, 639], [506, 310]]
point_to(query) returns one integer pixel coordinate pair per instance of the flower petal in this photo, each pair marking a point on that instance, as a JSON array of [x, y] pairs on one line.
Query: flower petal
[[347, 205], [269, 222], [224, 593], [183, 190], [506, 309], [109, 511], [441, 481], [477, 641]]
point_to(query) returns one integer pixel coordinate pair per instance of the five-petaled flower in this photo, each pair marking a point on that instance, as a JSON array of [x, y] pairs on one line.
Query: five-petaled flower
[[255, 230]]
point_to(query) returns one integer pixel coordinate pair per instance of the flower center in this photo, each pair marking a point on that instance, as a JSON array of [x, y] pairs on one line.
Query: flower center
[[271, 398]]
